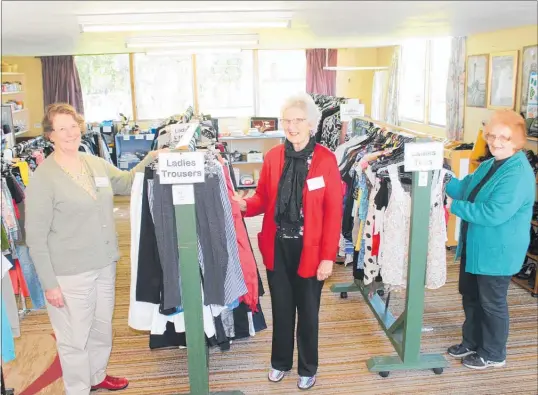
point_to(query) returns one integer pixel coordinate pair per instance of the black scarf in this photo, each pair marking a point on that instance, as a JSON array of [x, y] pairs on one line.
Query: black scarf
[[290, 186]]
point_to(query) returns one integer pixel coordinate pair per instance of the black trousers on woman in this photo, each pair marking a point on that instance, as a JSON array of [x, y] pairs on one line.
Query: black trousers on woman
[[291, 293], [486, 325]]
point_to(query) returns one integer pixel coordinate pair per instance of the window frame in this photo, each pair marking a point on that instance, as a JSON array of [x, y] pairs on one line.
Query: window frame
[[195, 102], [427, 90]]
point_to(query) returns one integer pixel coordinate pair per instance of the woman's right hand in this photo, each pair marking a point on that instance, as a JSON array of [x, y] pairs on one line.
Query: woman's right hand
[[242, 202], [54, 297]]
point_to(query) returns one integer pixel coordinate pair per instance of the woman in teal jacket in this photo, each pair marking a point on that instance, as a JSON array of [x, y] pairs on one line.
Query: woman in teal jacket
[[495, 206]]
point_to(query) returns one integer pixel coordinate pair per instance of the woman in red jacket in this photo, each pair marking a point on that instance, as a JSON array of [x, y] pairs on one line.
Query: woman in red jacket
[[300, 195]]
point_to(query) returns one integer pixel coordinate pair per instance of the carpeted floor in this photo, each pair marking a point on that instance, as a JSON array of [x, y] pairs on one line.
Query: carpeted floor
[[349, 335]]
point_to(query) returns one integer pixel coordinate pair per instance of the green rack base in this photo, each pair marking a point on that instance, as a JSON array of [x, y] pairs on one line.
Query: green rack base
[[197, 351], [405, 332]]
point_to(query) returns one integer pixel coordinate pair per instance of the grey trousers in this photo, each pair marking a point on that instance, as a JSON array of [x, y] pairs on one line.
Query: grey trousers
[[83, 327], [166, 234], [210, 224]]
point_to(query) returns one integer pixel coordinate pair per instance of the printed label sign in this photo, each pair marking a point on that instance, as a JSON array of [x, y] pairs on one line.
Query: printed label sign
[[181, 167], [423, 156]]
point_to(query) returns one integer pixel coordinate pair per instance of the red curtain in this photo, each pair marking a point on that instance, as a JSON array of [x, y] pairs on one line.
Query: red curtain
[[61, 83], [319, 81]]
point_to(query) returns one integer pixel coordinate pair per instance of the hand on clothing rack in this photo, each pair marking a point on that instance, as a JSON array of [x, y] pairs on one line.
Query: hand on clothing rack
[[242, 202]]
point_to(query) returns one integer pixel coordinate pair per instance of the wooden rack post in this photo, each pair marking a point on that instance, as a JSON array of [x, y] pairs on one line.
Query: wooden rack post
[[191, 289], [406, 331]]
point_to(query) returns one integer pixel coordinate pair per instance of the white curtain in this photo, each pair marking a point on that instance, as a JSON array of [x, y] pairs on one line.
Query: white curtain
[[455, 90], [391, 113], [379, 95]]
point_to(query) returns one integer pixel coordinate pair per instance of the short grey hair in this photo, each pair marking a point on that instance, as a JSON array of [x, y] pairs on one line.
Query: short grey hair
[[305, 102]]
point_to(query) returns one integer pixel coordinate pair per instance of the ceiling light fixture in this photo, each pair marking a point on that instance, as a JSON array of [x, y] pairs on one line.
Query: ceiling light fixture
[[177, 44], [96, 28], [194, 51]]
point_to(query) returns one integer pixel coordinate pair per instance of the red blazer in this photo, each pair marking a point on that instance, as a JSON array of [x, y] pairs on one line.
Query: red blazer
[[322, 209]]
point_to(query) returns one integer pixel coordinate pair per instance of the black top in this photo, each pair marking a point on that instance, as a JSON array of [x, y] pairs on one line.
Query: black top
[[472, 196]]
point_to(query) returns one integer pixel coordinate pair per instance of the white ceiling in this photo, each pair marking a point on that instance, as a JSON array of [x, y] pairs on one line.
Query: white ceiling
[[51, 27]]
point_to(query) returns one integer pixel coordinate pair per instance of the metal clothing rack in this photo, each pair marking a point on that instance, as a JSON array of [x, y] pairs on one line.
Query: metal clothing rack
[[197, 350], [406, 331]]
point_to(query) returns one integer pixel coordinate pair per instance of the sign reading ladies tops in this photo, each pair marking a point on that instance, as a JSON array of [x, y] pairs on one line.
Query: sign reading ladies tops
[[181, 167], [423, 156]]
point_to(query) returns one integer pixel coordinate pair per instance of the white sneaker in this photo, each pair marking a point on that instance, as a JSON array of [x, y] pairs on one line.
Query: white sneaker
[[305, 383], [276, 375]]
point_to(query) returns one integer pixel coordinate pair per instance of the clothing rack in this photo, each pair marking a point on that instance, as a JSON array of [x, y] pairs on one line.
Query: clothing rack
[[187, 239], [406, 331], [400, 130], [24, 145]]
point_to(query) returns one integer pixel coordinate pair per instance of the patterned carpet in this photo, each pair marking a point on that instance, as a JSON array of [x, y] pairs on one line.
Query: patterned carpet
[[349, 336]]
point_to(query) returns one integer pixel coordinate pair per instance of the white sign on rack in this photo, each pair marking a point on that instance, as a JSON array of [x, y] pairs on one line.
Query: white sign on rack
[[181, 167], [423, 156], [350, 110], [183, 194]]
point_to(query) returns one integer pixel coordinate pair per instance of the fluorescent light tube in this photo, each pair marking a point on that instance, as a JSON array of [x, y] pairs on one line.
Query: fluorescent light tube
[[193, 44], [353, 68], [194, 51], [183, 26]]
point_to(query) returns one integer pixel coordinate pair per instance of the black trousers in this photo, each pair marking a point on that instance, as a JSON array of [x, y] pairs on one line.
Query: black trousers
[[486, 325], [290, 294]]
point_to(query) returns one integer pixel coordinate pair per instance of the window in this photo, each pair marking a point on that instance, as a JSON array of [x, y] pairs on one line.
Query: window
[[281, 74], [413, 78], [106, 89], [226, 84], [439, 61], [424, 75], [163, 85]]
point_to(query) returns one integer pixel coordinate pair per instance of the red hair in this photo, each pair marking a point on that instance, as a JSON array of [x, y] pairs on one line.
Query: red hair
[[514, 122]]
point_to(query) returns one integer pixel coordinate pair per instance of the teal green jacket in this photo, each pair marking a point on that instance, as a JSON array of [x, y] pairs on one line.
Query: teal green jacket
[[499, 219]]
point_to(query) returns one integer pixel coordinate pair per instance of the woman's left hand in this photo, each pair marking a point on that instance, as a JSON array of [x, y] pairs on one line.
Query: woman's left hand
[[325, 269], [156, 153]]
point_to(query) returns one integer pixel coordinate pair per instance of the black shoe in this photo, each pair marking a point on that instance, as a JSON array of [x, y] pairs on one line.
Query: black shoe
[[475, 361], [459, 351]]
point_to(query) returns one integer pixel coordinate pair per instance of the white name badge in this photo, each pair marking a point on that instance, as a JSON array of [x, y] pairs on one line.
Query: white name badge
[[101, 182], [315, 183]]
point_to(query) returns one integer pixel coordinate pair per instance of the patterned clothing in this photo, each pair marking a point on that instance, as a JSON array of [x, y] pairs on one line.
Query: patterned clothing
[[296, 233]]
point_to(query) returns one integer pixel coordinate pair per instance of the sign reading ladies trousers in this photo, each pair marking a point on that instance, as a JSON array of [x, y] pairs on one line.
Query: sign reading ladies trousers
[[181, 167]]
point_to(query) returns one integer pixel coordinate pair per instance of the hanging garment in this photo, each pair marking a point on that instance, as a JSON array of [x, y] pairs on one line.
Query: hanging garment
[[24, 171], [30, 277], [7, 345], [331, 130], [166, 235], [150, 276], [371, 263], [210, 223], [246, 256], [436, 268], [393, 253], [140, 313]]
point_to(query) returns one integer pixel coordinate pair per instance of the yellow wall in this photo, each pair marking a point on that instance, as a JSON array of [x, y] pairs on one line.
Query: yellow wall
[[501, 40], [358, 84], [33, 98]]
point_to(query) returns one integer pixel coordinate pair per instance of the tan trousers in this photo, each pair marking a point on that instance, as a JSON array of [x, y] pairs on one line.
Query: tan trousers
[[83, 327]]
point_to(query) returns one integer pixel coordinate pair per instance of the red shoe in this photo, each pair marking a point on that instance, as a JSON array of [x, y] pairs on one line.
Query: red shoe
[[112, 384]]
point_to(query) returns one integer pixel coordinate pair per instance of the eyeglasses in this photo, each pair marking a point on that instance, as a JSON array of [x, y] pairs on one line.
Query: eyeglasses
[[65, 129], [502, 139], [295, 121]]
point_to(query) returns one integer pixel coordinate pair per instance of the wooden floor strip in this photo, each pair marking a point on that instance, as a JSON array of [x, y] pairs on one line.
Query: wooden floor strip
[[349, 335]]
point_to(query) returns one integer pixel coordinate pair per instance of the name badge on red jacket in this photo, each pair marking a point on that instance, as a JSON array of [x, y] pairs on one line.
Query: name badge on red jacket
[[315, 183]]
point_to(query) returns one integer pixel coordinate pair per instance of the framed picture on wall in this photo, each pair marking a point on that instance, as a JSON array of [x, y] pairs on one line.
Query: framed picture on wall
[[477, 80], [529, 60], [264, 124], [502, 79]]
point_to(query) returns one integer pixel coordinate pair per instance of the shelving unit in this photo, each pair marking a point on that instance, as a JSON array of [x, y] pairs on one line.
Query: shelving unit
[[21, 116], [245, 144]]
